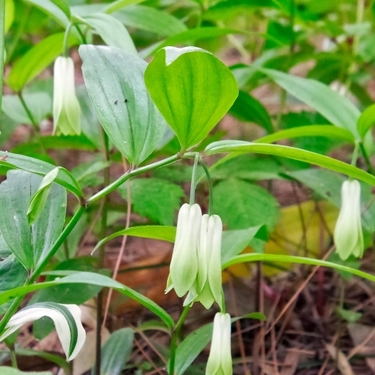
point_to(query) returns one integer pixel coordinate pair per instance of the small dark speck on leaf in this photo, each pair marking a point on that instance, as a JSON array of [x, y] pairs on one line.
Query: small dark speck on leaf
[[126, 100], [328, 193], [116, 101]]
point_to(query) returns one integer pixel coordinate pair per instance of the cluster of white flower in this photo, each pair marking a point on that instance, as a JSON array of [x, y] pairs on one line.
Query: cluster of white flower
[[195, 270], [195, 266]]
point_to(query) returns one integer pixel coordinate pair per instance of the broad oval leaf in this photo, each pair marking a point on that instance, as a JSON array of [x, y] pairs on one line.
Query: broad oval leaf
[[30, 244], [192, 89], [114, 81]]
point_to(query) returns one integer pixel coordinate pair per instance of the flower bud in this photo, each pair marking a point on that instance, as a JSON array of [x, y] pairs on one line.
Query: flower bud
[[184, 263], [348, 236], [208, 288], [220, 358], [66, 109]]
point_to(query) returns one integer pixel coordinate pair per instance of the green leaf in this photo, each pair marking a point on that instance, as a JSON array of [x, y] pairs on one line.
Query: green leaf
[[247, 108], [234, 241], [192, 89], [69, 293], [39, 103], [154, 198], [64, 6], [93, 279], [13, 371], [12, 273], [191, 347], [247, 167], [37, 59], [54, 8], [192, 35], [112, 31], [237, 147], [143, 17], [156, 232], [349, 316], [116, 351], [241, 204], [328, 131], [9, 15], [276, 258], [14, 161], [366, 121], [118, 4], [39, 199], [334, 107], [30, 244], [114, 81]]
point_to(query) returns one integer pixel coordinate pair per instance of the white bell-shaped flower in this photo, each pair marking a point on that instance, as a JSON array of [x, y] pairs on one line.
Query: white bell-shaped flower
[[66, 108], [220, 358], [67, 320], [348, 236], [184, 263], [209, 281]]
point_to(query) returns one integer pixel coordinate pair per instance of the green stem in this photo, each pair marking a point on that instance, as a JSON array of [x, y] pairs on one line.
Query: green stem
[[210, 187], [193, 180], [65, 42], [13, 356], [175, 335], [370, 168], [2, 47], [80, 33], [355, 155], [64, 234], [103, 227], [135, 172], [32, 120]]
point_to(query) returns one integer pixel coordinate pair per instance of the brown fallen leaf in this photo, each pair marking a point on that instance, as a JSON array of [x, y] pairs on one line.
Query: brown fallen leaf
[[341, 360]]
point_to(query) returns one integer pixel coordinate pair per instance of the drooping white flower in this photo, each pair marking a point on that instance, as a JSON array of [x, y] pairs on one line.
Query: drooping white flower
[[66, 109], [184, 263], [209, 280], [220, 358], [348, 236], [67, 320]]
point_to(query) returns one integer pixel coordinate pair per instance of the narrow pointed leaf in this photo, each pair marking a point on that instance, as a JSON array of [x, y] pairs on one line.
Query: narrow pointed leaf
[[112, 31], [39, 57], [9, 160], [157, 232], [38, 201], [93, 279], [116, 351], [192, 89], [328, 131], [366, 120], [239, 147], [114, 81], [334, 107]]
